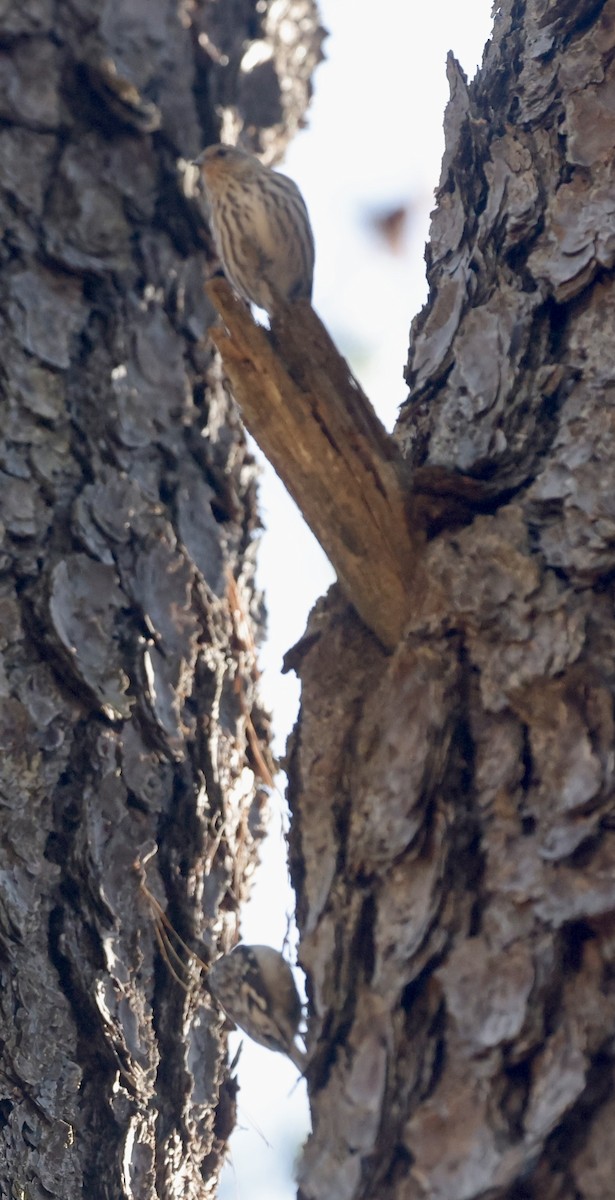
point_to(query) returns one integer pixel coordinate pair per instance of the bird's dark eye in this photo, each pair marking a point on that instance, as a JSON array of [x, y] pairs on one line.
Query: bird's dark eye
[[222, 152]]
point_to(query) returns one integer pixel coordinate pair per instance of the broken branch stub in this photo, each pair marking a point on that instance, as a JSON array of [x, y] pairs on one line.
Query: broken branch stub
[[319, 431]]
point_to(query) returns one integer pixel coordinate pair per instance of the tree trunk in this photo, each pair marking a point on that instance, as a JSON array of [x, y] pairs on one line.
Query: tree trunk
[[452, 841], [129, 717]]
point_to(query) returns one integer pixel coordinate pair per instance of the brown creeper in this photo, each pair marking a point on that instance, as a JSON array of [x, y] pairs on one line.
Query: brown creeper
[[255, 987], [260, 225]]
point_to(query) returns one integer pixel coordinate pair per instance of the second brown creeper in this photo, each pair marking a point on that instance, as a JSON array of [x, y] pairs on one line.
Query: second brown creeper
[[261, 227], [255, 987]]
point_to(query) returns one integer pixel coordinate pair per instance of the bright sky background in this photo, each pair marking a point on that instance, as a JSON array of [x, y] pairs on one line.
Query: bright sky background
[[374, 141]]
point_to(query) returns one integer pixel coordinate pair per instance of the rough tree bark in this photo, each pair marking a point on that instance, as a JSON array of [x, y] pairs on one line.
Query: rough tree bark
[[452, 842], [129, 718]]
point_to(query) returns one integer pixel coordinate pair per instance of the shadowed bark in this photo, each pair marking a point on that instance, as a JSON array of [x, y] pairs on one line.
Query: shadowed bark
[[452, 836], [129, 717]]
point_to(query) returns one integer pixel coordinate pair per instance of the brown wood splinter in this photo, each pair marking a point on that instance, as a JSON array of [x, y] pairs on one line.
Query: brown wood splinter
[[317, 428]]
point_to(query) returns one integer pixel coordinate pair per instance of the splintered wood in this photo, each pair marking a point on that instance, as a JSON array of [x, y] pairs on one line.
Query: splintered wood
[[308, 414]]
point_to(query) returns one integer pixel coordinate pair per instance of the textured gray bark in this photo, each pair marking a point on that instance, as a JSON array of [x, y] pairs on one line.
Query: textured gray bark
[[127, 498], [452, 838]]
